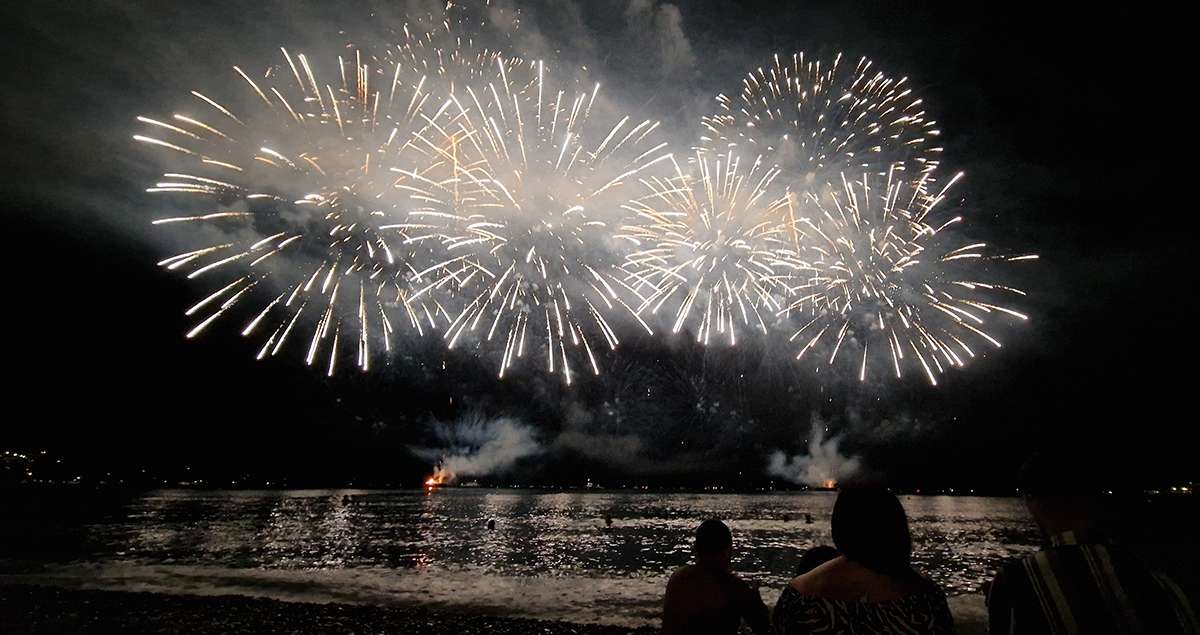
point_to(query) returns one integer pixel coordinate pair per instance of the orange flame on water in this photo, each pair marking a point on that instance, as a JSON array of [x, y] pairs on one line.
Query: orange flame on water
[[438, 478]]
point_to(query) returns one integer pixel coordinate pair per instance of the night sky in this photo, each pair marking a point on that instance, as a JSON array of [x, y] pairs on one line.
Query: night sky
[[1067, 123]]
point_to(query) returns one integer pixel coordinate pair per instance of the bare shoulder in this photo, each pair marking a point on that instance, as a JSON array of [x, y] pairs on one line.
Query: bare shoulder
[[813, 582], [683, 574]]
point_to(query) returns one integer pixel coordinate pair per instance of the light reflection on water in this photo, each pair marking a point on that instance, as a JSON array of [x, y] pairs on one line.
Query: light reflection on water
[[959, 541]]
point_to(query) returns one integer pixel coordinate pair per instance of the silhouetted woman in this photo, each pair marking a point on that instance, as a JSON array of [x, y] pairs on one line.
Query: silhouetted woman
[[870, 587]]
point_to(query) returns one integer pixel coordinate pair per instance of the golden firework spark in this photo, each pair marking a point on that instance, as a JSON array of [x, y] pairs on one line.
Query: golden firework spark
[[815, 119], [303, 181], [713, 244], [886, 280], [528, 215]]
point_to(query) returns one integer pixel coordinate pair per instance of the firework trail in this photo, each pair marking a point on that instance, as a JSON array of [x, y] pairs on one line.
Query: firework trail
[[296, 186], [714, 247], [537, 187], [815, 119], [886, 280]]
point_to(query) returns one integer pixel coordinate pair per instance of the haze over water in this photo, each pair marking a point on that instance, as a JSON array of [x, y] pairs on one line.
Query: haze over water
[[550, 555]]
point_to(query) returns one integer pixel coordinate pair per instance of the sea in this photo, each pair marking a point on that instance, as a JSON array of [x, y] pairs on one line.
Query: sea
[[548, 555]]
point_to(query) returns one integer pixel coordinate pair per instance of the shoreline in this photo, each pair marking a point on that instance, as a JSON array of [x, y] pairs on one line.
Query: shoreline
[[46, 609], [30, 608]]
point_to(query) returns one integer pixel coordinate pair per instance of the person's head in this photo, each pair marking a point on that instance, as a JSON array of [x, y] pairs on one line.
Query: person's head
[[871, 529], [1061, 492], [815, 557], [714, 544]]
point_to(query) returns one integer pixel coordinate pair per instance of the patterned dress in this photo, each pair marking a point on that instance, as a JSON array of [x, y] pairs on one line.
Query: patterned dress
[[920, 613]]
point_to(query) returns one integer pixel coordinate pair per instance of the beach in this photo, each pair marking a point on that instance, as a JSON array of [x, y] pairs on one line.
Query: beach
[[39, 609], [34, 609]]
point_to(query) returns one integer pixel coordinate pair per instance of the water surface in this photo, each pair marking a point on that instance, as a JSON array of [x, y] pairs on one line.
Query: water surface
[[550, 554]]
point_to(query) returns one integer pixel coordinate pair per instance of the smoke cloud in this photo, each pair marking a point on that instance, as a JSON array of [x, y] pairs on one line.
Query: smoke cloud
[[824, 465], [477, 446]]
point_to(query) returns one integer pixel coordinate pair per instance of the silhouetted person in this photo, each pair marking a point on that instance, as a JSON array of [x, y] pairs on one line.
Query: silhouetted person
[[608, 521], [491, 523], [705, 597], [1080, 582], [815, 557], [870, 587], [807, 518]]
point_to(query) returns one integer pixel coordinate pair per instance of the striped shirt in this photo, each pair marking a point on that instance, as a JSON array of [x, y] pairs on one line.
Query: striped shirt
[[1084, 586]]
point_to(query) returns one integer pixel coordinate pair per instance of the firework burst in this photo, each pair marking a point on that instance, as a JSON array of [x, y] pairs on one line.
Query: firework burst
[[887, 281], [295, 186], [714, 246], [456, 189], [537, 188], [816, 119]]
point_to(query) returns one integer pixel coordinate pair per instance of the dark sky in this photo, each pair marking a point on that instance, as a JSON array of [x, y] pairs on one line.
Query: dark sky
[[1070, 125]]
